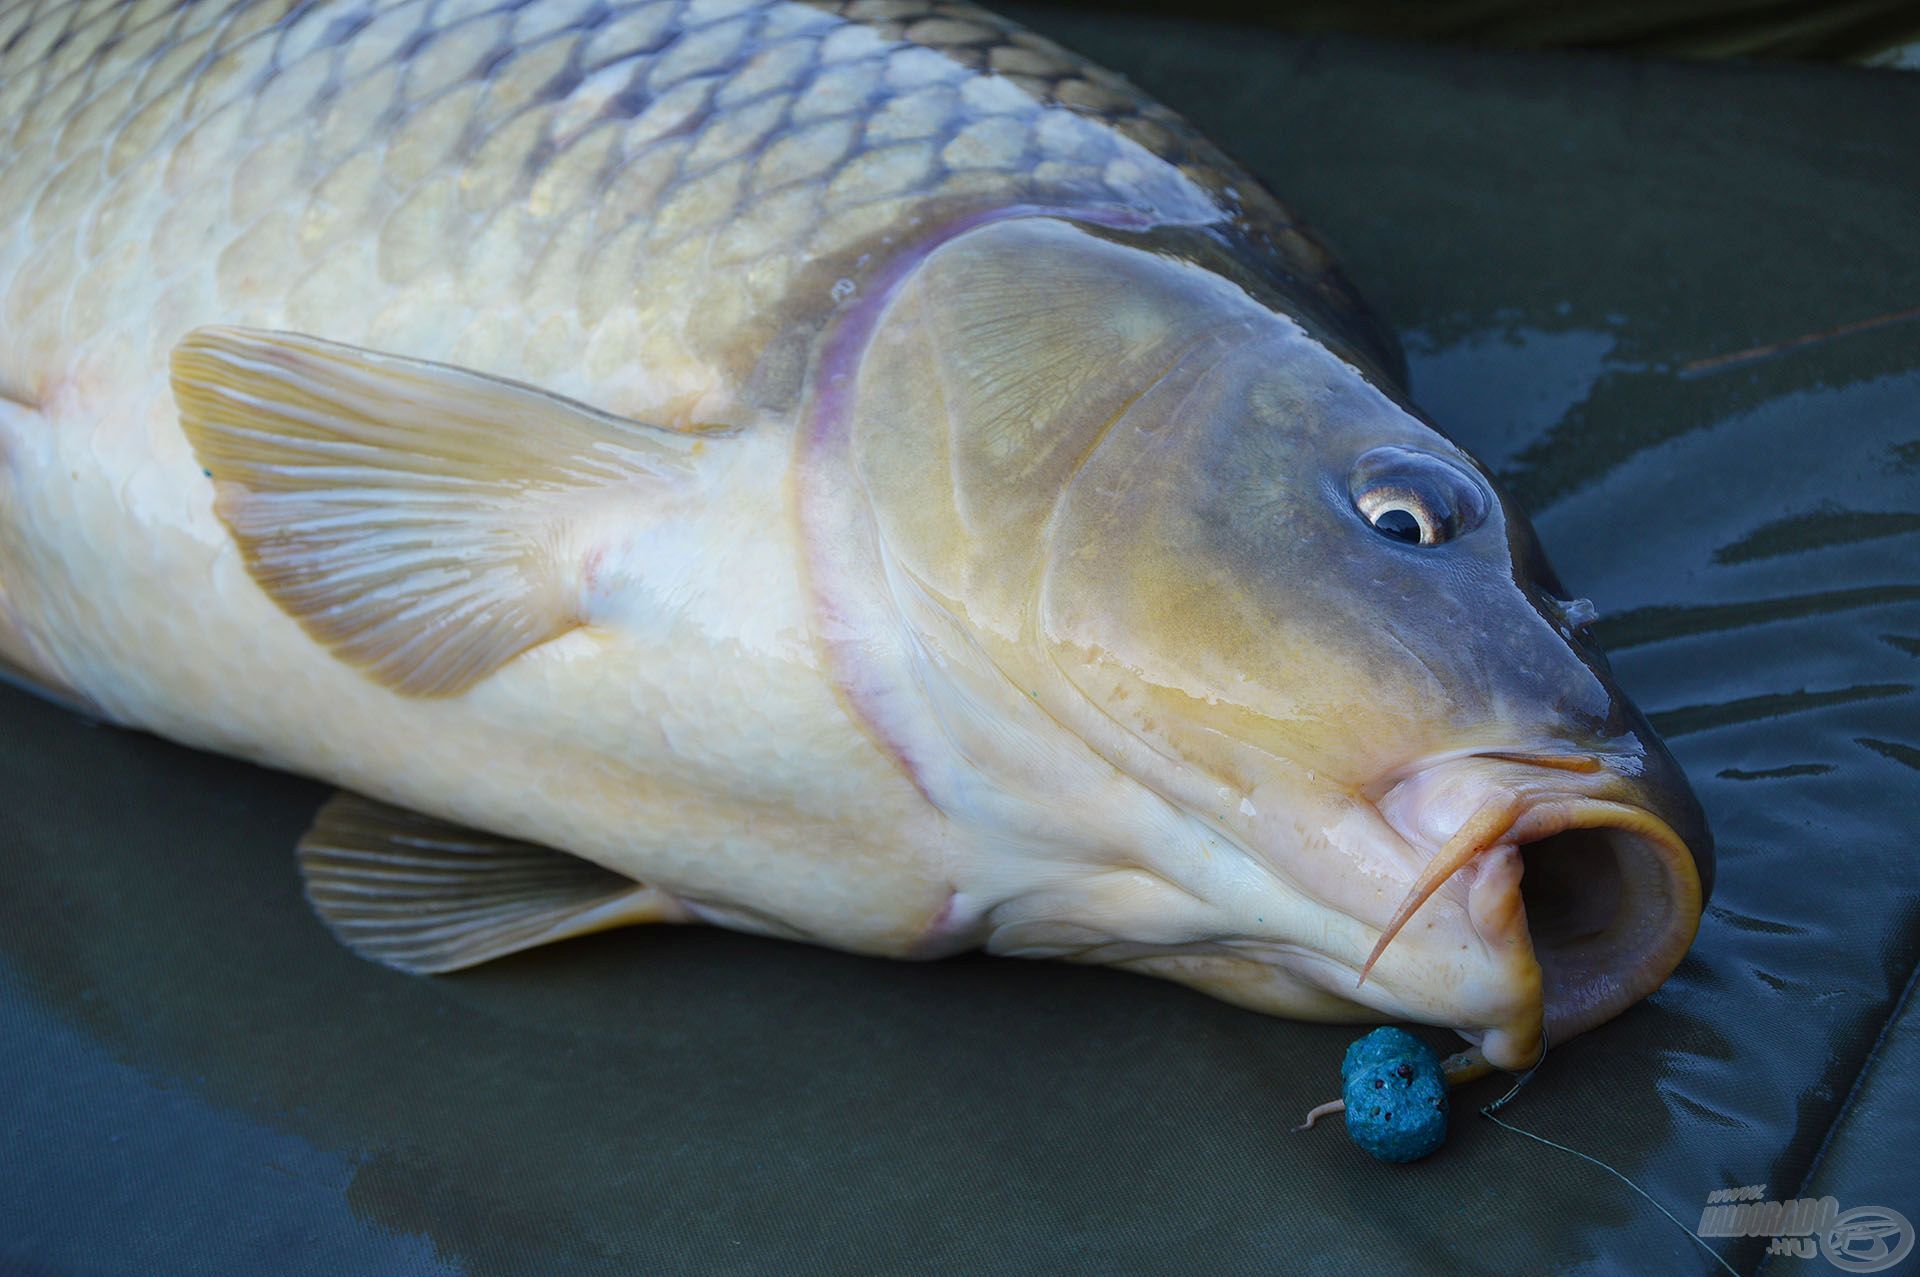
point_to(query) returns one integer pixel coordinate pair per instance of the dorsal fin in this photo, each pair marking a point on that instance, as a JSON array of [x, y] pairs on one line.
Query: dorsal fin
[[426, 896], [410, 515]]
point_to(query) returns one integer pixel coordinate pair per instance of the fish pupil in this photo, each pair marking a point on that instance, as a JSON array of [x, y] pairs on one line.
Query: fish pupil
[[1398, 524]]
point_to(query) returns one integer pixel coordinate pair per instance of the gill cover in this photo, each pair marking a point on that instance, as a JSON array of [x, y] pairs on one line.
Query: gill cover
[[998, 369]]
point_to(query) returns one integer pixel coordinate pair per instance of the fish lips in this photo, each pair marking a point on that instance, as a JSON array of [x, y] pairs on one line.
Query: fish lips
[[1583, 877]]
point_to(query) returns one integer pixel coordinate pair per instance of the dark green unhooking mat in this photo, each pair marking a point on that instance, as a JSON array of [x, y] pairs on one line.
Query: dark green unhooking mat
[[193, 1077]]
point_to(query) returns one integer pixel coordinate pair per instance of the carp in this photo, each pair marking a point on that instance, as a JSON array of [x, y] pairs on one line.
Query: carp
[[850, 472]]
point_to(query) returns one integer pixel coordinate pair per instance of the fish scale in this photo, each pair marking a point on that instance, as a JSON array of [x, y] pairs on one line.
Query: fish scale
[[671, 184]]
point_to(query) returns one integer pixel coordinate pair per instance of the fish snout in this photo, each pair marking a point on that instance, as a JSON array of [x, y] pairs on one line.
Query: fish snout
[[1584, 878]]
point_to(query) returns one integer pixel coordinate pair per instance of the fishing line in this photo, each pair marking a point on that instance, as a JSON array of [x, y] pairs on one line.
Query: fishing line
[[1490, 1110]]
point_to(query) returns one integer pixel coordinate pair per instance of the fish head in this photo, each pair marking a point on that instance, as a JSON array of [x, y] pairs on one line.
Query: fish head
[[1302, 598], [1232, 564]]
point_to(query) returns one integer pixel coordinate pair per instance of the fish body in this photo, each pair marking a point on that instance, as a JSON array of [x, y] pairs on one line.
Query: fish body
[[820, 463]]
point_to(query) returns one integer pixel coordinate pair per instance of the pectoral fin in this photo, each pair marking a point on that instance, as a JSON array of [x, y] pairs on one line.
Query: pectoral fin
[[426, 896], [413, 517]]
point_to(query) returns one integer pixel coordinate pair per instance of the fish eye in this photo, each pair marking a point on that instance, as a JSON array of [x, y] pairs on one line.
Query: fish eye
[[1416, 498]]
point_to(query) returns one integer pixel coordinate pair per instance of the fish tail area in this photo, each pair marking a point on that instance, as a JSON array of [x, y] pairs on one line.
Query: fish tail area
[[16, 657], [24, 662], [14, 650]]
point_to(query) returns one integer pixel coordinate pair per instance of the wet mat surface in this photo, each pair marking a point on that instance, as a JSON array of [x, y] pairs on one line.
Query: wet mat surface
[[194, 1076]]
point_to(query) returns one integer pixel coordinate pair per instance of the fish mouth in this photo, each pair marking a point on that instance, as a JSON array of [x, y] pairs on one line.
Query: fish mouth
[[1586, 905]]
